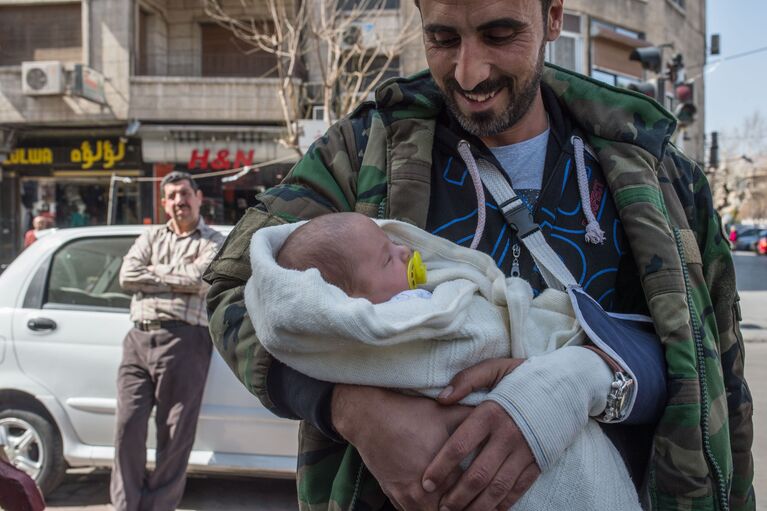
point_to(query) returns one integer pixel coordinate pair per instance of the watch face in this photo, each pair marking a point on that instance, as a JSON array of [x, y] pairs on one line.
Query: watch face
[[36, 78]]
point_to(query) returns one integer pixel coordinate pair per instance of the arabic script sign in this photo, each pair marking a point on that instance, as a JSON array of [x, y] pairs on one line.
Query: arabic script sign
[[78, 154]]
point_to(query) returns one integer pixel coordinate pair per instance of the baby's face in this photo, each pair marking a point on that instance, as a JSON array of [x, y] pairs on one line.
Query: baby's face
[[382, 269]]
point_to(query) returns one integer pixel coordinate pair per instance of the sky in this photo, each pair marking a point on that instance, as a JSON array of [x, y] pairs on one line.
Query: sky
[[736, 88]]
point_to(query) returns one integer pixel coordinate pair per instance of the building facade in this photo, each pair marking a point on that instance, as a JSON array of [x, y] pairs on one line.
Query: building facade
[[105, 97], [599, 36]]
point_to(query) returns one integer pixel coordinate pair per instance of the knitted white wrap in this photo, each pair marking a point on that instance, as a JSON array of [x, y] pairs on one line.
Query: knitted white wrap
[[416, 344], [419, 344]]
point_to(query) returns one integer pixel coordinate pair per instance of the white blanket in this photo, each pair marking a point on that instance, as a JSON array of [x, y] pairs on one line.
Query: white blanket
[[416, 344], [419, 344]]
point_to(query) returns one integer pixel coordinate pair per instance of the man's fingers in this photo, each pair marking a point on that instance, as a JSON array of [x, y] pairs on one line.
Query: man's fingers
[[462, 442], [501, 486], [524, 482], [482, 478], [484, 375]]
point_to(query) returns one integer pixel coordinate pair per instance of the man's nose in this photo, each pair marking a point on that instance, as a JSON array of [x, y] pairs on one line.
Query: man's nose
[[471, 68]]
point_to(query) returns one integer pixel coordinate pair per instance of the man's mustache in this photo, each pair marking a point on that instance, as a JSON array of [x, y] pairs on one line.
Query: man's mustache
[[486, 87]]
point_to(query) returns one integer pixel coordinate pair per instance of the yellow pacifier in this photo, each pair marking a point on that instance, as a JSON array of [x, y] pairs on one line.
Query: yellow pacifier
[[416, 270]]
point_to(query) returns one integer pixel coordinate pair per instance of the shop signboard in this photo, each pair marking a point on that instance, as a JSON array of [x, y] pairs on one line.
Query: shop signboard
[[89, 84], [76, 154]]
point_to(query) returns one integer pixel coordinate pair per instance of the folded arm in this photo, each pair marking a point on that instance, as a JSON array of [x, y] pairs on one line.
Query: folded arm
[[135, 272]]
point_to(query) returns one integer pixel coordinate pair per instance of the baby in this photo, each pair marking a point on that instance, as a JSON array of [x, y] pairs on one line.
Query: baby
[[334, 299], [353, 253]]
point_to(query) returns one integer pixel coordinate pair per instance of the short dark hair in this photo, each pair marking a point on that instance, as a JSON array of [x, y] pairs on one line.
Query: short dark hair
[[175, 177], [324, 243], [545, 4]]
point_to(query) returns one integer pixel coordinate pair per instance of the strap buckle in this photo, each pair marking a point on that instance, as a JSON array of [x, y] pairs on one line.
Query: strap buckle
[[518, 216]]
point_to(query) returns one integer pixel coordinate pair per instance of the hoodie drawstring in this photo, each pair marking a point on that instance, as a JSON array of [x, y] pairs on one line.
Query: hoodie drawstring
[[594, 233], [464, 149]]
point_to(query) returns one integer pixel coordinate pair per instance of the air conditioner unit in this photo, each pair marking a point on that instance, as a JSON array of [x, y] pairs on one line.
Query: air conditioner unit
[[43, 78], [359, 32]]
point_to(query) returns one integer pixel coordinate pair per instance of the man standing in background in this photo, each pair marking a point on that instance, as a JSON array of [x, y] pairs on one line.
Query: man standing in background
[[167, 352]]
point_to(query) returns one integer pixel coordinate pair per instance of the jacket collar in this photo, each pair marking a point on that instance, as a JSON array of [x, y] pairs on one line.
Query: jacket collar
[[610, 113]]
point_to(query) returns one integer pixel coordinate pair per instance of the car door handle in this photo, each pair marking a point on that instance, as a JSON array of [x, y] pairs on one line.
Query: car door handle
[[39, 324]]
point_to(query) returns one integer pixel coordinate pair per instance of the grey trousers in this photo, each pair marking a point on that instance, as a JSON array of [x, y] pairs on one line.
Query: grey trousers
[[164, 368]]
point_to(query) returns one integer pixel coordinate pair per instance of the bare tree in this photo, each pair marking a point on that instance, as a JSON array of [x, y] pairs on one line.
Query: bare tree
[[739, 182], [331, 53]]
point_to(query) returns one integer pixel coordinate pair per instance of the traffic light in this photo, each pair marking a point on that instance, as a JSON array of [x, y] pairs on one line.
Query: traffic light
[[685, 109], [650, 57]]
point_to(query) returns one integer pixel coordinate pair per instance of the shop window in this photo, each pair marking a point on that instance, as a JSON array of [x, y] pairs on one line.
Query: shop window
[[567, 50], [40, 32], [85, 273], [224, 55]]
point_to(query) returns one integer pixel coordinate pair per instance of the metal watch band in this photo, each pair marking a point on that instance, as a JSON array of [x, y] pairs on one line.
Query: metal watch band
[[620, 389]]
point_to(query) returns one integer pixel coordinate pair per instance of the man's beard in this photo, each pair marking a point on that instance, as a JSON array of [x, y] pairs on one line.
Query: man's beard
[[485, 124]]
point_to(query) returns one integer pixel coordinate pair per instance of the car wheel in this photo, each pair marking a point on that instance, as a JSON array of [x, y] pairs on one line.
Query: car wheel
[[33, 445]]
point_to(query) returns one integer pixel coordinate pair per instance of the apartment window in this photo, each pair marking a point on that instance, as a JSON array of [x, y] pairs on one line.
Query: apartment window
[[359, 65], [142, 55], [40, 32], [678, 3], [350, 5], [611, 78], [224, 55], [567, 50], [611, 47]]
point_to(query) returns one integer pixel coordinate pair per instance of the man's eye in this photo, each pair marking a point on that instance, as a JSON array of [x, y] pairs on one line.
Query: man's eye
[[445, 39], [498, 36]]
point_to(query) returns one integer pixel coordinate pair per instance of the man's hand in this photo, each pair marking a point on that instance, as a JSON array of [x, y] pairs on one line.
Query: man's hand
[[503, 468], [397, 436]]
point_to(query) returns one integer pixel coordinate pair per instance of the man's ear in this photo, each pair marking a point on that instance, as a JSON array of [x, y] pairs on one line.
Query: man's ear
[[198, 193], [555, 19]]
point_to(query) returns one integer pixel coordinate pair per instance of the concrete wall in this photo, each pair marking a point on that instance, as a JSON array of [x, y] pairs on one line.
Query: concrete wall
[[249, 100]]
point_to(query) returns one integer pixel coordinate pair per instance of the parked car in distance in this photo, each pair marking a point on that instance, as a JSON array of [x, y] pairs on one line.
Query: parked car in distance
[[63, 317], [747, 238], [761, 244]]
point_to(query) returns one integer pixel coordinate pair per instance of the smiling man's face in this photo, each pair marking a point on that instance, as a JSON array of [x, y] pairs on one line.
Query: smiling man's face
[[487, 56]]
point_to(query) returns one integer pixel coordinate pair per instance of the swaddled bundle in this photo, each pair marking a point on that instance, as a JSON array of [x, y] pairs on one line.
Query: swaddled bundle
[[474, 313]]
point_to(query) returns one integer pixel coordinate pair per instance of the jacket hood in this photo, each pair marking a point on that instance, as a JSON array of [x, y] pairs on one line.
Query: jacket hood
[[610, 113]]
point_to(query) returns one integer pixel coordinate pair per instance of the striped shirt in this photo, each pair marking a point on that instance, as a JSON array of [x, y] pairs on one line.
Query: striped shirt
[[164, 272]]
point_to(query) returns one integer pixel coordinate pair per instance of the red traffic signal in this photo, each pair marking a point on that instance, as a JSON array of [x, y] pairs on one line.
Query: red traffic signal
[[685, 96], [683, 92]]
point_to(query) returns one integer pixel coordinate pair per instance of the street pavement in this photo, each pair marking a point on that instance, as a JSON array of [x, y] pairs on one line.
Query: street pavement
[[751, 274], [87, 490]]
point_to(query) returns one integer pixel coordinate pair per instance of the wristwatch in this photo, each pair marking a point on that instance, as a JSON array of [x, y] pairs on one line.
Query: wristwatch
[[621, 389]]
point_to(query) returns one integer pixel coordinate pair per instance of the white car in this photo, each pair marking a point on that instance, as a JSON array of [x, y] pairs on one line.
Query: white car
[[63, 317]]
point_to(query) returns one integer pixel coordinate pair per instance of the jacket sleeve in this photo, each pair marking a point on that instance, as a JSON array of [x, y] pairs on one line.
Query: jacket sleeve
[[719, 273], [312, 188], [134, 272]]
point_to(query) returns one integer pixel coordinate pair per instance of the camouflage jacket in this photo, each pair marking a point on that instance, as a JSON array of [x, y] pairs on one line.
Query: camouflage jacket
[[377, 161]]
